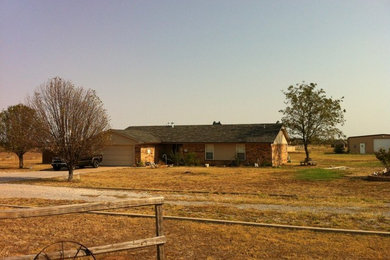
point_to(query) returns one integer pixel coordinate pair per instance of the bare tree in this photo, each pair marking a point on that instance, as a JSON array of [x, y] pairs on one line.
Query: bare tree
[[71, 120], [17, 132]]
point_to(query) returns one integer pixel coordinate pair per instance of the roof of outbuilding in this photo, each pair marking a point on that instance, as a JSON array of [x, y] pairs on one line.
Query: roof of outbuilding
[[374, 135], [233, 133]]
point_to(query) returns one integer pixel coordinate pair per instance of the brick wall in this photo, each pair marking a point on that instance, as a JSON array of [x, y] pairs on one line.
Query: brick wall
[[260, 153], [197, 149]]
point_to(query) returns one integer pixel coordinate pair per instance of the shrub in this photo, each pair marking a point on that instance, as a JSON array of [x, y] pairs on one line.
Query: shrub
[[384, 157], [339, 148], [140, 164], [176, 158], [191, 159]]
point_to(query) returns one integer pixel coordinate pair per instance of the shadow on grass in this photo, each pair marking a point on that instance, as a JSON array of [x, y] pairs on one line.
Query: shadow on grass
[[44, 180]]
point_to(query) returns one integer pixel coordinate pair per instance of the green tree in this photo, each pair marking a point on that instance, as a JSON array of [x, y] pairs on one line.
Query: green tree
[[310, 115], [384, 157], [17, 132], [71, 120]]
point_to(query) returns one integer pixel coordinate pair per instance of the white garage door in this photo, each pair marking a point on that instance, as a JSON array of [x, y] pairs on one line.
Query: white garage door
[[381, 143], [116, 155]]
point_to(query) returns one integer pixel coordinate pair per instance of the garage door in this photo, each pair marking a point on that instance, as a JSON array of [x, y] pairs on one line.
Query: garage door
[[118, 155], [381, 143]]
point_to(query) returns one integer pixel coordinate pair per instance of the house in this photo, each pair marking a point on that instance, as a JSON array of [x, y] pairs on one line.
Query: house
[[368, 143], [214, 144]]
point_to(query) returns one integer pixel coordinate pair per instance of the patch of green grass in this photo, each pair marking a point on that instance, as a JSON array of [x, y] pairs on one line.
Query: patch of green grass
[[317, 174]]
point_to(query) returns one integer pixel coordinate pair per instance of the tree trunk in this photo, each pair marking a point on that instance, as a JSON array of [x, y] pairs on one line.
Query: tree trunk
[[70, 171], [306, 151], [20, 156]]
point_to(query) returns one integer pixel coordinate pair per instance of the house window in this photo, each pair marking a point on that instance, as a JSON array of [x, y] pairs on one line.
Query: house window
[[240, 152], [209, 151]]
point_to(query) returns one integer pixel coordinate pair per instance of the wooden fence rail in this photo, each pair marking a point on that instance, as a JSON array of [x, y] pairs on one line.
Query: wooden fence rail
[[158, 241]]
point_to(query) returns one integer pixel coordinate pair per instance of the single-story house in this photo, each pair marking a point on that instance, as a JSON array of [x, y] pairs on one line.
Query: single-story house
[[368, 143], [214, 144]]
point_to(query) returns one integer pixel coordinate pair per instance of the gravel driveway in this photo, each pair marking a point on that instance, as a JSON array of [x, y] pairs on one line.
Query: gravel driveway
[[8, 176], [64, 193], [59, 193]]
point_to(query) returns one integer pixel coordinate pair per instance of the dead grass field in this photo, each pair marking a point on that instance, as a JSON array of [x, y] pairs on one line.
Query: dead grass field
[[351, 189], [32, 161], [274, 186], [185, 239]]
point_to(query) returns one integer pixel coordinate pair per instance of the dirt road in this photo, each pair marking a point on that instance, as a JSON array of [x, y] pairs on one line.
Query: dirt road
[[8, 176], [63, 193]]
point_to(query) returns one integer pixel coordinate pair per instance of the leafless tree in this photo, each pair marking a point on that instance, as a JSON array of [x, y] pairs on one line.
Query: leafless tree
[[72, 121], [17, 132]]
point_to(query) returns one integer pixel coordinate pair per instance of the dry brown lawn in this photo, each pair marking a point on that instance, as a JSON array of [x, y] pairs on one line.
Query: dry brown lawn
[[185, 239], [32, 161], [351, 189], [190, 240]]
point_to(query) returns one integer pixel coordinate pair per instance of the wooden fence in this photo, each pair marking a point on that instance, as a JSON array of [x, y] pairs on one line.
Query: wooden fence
[[159, 240]]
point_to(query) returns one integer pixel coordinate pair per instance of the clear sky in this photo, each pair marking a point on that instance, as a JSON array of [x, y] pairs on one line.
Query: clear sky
[[194, 62]]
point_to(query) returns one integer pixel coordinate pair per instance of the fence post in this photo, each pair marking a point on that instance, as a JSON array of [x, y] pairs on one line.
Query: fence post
[[159, 230]]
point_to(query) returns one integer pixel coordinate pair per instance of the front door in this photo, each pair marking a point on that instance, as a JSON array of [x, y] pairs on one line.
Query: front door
[[362, 148]]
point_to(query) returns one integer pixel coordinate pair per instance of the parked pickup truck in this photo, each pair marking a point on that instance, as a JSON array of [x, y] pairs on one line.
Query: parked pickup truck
[[93, 161]]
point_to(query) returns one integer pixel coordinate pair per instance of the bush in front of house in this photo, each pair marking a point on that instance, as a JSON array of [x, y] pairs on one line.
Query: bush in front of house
[[176, 158], [191, 159], [140, 164], [187, 159]]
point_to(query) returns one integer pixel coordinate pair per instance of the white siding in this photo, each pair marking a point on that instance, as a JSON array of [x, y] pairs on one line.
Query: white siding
[[381, 143]]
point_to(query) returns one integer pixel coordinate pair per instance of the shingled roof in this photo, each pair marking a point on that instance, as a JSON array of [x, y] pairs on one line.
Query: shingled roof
[[234, 133]]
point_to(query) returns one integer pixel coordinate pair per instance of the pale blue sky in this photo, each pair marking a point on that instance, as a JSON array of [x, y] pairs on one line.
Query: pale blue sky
[[193, 62]]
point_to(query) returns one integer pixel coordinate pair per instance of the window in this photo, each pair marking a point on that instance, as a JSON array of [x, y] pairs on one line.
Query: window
[[209, 151], [240, 152]]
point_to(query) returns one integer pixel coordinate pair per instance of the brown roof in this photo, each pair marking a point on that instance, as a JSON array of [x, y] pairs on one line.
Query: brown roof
[[140, 136], [237, 133], [374, 135]]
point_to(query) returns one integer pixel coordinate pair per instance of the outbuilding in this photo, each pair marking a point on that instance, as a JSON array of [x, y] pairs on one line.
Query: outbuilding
[[368, 144]]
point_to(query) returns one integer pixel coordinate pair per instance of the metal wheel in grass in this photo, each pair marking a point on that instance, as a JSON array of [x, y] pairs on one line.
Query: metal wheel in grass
[[64, 250]]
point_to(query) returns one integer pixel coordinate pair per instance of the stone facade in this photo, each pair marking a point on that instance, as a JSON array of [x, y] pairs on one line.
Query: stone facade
[[145, 154], [279, 154]]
